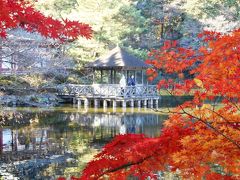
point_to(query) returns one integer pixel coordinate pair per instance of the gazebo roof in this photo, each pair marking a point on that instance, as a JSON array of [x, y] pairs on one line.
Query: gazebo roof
[[118, 58]]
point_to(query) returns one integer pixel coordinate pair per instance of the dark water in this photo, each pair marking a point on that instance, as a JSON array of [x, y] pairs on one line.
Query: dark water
[[45, 143]]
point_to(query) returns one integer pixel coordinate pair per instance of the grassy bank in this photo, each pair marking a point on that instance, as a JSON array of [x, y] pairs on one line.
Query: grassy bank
[[167, 100]]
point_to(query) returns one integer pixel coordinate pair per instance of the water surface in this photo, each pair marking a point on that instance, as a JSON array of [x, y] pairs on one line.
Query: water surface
[[44, 143]]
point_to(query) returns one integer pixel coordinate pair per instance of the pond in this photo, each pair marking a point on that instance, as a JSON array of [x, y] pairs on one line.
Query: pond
[[45, 143]]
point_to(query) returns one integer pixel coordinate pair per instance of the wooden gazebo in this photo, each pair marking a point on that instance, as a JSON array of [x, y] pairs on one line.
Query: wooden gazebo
[[116, 63], [106, 88]]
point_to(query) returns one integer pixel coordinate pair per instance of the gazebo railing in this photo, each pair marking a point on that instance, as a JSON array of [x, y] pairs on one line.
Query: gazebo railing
[[108, 90]]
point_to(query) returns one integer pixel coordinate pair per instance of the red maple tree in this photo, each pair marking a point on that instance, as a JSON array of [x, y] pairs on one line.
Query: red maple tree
[[21, 13], [201, 136]]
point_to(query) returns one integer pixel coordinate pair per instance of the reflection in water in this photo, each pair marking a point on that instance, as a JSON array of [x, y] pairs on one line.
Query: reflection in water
[[65, 141]]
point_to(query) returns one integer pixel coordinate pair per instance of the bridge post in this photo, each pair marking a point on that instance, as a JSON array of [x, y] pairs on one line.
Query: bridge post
[[96, 103], [79, 103], [145, 103], [105, 103], [132, 103], [156, 103], [139, 103], [74, 100], [86, 103], [148, 103], [114, 104], [124, 104], [151, 103]]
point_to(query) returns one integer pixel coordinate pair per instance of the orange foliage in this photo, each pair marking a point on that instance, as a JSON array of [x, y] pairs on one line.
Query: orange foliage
[[198, 137]]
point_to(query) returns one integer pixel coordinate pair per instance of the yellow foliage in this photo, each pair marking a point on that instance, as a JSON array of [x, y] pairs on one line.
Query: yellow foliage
[[198, 82], [206, 106]]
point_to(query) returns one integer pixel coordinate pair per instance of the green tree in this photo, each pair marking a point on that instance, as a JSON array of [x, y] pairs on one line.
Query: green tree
[[113, 22]]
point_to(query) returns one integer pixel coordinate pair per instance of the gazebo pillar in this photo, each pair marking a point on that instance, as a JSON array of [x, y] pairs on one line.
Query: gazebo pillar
[[101, 76], [135, 76], [93, 76], [111, 76], [115, 77]]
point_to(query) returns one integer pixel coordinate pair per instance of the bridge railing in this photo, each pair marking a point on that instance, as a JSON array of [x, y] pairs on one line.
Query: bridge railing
[[107, 90]]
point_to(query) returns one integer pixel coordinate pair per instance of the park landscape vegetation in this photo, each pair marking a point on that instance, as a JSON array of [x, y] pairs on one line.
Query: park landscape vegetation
[[200, 139]]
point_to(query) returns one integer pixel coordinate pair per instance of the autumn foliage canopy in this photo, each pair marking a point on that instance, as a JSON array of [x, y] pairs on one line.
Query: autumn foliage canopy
[[20, 13], [201, 137]]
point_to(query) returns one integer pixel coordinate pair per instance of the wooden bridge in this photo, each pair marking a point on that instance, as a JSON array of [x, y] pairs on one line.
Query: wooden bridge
[[110, 94]]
